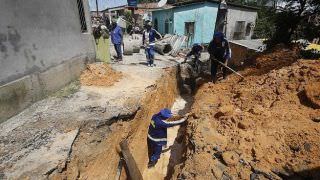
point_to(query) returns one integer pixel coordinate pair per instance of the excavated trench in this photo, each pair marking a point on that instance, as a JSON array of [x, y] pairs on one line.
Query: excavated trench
[[205, 148], [95, 152]]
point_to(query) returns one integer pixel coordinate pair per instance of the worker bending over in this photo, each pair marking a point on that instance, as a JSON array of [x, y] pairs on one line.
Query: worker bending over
[[219, 50], [195, 51], [149, 37], [157, 134]]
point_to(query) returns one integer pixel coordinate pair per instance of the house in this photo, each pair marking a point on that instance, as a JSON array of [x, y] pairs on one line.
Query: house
[[44, 45], [197, 20]]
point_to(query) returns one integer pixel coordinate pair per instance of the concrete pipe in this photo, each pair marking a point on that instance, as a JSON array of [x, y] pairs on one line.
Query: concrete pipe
[[136, 49], [163, 48], [128, 49]]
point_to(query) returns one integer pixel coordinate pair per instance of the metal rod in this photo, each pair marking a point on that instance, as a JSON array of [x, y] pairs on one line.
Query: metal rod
[[97, 8], [229, 68]]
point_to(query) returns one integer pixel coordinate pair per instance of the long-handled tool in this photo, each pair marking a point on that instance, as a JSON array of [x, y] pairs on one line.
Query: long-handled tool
[[229, 68]]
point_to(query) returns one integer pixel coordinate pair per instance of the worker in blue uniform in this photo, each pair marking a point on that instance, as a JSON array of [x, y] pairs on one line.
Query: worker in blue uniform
[[157, 134], [149, 37], [117, 40], [219, 50], [196, 52]]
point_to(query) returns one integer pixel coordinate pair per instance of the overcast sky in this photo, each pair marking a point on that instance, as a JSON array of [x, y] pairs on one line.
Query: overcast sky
[[104, 4]]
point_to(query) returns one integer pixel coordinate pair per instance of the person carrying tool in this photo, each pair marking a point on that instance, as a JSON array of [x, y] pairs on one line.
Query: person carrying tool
[[219, 50], [157, 134], [149, 37], [117, 39]]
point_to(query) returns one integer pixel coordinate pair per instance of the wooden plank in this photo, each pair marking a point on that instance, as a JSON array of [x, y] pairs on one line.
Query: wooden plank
[[132, 166]]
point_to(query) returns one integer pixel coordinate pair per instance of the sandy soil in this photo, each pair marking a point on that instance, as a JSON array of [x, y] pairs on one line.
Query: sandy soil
[[261, 128], [99, 74]]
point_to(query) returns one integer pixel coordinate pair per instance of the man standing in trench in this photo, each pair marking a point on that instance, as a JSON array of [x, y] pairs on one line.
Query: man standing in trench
[[149, 37], [157, 134], [219, 50]]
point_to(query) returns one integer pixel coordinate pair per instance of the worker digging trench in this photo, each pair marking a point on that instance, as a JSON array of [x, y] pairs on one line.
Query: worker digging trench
[[264, 126], [230, 133], [253, 132], [69, 112]]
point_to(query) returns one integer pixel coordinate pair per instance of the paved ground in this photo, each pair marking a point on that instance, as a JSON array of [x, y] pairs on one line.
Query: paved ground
[[38, 140]]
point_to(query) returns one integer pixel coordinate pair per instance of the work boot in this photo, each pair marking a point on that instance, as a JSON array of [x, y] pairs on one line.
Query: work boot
[[151, 164], [224, 77], [214, 79]]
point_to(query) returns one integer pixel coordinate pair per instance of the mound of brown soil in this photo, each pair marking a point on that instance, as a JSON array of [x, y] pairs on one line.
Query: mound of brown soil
[[313, 94], [261, 128], [99, 75]]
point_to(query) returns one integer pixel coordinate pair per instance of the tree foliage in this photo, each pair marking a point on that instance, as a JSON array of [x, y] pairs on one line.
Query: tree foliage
[[265, 23], [293, 20]]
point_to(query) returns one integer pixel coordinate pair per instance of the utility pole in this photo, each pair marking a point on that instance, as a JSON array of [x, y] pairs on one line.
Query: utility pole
[[97, 8]]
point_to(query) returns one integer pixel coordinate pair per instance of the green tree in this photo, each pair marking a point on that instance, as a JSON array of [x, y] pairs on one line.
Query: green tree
[[265, 24], [292, 17]]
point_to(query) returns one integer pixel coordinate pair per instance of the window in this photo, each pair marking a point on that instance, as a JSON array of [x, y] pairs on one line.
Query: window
[[166, 26], [248, 29], [189, 32], [239, 26], [82, 16], [239, 30], [189, 29], [156, 24]]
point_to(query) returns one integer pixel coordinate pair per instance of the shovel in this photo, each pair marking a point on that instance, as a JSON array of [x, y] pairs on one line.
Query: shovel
[[229, 68]]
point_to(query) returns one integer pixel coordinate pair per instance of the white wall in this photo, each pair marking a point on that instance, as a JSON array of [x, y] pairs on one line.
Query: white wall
[[239, 14], [36, 35], [42, 48]]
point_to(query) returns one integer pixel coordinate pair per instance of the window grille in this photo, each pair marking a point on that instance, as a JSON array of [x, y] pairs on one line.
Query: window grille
[[82, 16]]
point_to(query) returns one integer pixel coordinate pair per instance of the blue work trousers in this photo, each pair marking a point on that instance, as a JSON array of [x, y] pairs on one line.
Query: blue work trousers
[[150, 54], [118, 49], [154, 150]]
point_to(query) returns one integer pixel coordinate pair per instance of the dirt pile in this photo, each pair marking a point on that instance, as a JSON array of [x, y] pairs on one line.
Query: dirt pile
[[99, 75], [276, 59], [261, 128], [312, 92]]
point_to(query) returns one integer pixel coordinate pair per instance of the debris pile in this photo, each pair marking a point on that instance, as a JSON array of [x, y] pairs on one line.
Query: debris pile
[[261, 128], [99, 74], [171, 44]]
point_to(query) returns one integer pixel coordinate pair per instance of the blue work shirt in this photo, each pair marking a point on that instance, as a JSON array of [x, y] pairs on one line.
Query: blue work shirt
[[153, 35], [116, 35], [220, 51], [158, 128]]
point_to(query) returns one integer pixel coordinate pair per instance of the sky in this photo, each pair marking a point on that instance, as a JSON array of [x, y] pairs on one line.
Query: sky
[[104, 4]]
